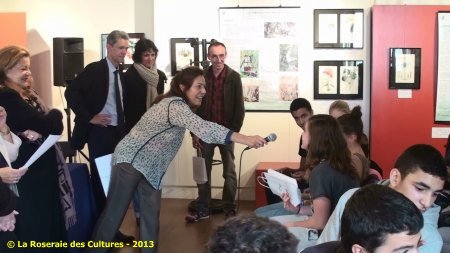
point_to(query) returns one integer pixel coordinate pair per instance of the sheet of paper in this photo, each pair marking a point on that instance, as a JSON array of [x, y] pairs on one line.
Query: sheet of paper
[[440, 132], [49, 142], [404, 93], [104, 170]]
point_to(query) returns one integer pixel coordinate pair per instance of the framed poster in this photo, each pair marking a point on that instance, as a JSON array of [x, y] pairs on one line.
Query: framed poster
[[183, 54], [263, 47], [338, 28], [404, 68], [338, 79], [442, 109], [134, 38]]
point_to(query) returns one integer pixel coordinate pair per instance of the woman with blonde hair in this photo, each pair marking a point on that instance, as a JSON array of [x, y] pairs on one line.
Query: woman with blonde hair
[[338, 108], [46, 194]]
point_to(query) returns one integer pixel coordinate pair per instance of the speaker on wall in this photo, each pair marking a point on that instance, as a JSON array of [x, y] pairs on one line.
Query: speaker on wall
[[68, 59]]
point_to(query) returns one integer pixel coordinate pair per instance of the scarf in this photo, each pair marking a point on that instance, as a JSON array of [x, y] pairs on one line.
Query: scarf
[[65, 181], [151, 77]]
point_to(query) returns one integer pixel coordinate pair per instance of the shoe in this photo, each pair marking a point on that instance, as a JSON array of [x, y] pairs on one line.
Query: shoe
[[230, 213], [119, 237], [196, 216]]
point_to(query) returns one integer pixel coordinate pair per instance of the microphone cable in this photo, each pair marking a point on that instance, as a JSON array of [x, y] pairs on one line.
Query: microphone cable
[[239, 182]]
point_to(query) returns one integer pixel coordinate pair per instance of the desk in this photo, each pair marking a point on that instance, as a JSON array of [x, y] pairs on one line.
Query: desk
[[84, 204], [260, 194]]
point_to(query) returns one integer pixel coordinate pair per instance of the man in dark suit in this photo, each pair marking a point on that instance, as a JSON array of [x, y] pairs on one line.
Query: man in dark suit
[[95, 96]]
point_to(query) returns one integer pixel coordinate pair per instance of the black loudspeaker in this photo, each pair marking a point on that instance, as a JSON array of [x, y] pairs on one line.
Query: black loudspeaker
[[68, 59]]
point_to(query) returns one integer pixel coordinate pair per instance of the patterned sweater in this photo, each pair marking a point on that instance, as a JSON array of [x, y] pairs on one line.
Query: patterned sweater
[[154, 141]]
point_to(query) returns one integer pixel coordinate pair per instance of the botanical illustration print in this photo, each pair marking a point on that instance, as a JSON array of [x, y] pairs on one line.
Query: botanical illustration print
[[327, 79], [249, 63], [279, 30], [288, 88], [349, 80], [288, 57], [404, 68], [184, 55]]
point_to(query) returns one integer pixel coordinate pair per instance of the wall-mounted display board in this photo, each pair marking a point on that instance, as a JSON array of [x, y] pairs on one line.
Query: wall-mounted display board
[[442, 112], [262, 45]]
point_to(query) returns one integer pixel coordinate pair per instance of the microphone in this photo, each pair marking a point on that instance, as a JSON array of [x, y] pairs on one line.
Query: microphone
[[269, 138]]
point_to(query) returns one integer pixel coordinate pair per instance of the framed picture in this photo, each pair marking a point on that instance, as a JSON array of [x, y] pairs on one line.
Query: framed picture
[[103, 39], [404, 68], [338, 28], [134, 38], [183, 53], [338, 79]]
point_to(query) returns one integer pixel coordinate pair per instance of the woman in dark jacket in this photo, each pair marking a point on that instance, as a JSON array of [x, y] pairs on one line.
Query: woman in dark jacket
[[43, 189]]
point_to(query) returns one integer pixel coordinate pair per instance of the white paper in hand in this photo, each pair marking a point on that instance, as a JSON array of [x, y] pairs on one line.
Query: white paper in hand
[[49, 142], [103, 164], [280, 183]]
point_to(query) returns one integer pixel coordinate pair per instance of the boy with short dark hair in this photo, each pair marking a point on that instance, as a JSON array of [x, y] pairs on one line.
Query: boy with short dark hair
[[376, 219], [419, 174]]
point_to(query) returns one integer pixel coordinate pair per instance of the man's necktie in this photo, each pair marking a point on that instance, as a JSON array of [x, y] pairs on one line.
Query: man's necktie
[[120, 117]]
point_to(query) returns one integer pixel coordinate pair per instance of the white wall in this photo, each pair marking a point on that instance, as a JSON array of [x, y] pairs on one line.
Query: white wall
[[165, 19]]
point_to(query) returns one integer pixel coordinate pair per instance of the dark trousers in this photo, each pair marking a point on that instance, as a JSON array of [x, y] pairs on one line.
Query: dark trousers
[[102, 141], [229, 174], [125, 180]]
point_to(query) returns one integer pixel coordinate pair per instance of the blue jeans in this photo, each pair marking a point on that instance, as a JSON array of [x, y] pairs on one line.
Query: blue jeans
[[229, 174], [272, 210]]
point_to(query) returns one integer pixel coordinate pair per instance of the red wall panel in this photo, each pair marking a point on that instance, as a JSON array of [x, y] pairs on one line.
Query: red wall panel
[[399, 123]]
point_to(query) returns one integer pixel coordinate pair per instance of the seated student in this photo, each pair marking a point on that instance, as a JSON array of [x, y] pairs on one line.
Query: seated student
[[376, 219], [419, 174], [353, 125], [338, 108], [352, 128], [301, 111], [332, 173], [252, 234], [444, 201]]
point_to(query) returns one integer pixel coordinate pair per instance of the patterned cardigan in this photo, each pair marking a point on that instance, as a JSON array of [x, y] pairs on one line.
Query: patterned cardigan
[[154, 141]]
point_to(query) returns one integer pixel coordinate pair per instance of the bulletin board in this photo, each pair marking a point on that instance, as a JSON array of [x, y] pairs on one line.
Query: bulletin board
[[442, 111], [262, 46]]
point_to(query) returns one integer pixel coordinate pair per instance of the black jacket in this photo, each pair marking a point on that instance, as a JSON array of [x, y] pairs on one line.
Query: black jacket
[[86, 96]]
